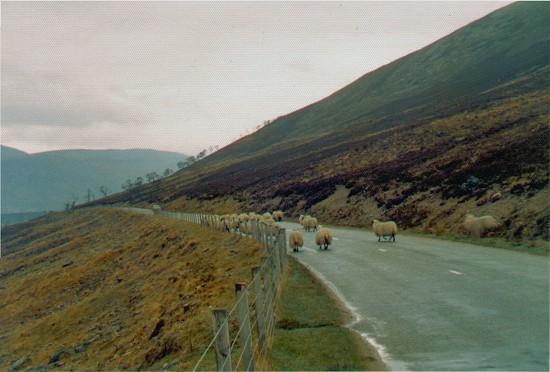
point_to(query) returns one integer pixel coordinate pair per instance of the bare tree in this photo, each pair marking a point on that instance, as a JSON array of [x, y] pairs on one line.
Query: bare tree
[[89, 195], [104, 190], [168, 172], [70, 204], [127, 185]]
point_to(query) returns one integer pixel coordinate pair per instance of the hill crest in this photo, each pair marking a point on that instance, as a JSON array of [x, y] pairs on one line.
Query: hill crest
[[403, 140]]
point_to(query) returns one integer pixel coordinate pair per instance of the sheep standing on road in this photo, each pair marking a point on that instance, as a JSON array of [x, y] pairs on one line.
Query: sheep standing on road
[[323, 238], [278, 215], [295, 240], [383, 229], [310, 223], [477, 226]]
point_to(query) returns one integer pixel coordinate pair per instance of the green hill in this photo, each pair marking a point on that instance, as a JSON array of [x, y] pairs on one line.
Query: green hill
[[44, 181], [422, 140]]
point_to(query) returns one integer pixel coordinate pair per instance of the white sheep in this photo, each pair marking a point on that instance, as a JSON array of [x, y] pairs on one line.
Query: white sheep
[[310, 223], [323, 238], [295, 240], [230, 222], [278, 215], [383, 229], [243, 217], [477, 226]]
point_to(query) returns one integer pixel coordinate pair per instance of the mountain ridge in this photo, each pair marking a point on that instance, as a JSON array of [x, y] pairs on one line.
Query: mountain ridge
[[480, 91], [43, 181]]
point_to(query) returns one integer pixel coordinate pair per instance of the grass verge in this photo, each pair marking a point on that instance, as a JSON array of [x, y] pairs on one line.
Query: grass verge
[[310, 332]]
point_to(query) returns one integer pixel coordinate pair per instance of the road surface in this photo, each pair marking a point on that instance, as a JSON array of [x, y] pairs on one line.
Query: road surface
[[430, 304]]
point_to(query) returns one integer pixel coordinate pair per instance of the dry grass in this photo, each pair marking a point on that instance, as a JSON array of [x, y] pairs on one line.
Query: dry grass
[[99, 283]]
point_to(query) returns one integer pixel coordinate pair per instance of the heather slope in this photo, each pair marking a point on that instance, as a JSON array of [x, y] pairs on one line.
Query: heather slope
[[94, 286], [423, 140]]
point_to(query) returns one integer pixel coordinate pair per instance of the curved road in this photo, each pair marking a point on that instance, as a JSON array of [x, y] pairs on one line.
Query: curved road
[[429, 304]]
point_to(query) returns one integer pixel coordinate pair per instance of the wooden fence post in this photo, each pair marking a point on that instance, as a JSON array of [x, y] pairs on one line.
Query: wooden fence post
[[245, 334], [259, 307], [223, 347]]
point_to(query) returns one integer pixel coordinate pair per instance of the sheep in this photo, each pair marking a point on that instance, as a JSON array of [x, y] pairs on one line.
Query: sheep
[[323, 237], [310, 223], [295, 240], [267, 215], [278, 215], [243, 217], [383, 229], [477, 226], [302, 218], [230, 222]]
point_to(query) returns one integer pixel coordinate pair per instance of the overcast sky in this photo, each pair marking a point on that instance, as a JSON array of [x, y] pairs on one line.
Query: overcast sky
[[183, 76]]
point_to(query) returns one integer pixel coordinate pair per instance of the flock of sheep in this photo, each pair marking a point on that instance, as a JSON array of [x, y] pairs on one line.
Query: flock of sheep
[[323, 238], [234, 222], [475, 226]]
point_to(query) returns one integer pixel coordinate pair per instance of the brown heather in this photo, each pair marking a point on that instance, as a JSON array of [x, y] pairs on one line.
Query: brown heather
[[97, 284]]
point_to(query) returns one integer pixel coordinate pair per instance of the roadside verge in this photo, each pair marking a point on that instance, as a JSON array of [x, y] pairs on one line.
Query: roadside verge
[[311, 332]]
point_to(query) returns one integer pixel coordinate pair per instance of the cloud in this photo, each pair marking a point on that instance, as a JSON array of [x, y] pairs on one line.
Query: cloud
[[53, 99], [186, 75]]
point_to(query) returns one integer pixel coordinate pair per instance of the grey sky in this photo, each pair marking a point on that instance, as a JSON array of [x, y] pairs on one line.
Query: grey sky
[[182, 76]]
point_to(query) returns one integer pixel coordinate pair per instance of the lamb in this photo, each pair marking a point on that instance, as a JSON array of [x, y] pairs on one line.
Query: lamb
[[478, 226], [295, 240], [278, 215], [383, 229], [323, 237], [310, 223]]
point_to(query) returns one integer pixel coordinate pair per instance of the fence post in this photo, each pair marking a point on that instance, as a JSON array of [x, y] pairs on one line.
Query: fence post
[[245, 335], [259, 307], [223, 347], [282, 247]]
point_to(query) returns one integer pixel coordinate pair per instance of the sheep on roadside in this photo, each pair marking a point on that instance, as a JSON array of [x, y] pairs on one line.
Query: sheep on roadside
[[230, 222], [323, 238], [278, 215], [295, 240], [243, 217], [383, 229], [310, 223], [478, 226]]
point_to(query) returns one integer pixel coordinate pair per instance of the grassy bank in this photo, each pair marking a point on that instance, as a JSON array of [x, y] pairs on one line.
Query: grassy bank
[[105, 289], [310, 333]]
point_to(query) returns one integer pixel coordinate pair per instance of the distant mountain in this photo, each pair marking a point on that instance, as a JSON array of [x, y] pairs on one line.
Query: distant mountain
[[9, 153], [45, 181], [460, 126]]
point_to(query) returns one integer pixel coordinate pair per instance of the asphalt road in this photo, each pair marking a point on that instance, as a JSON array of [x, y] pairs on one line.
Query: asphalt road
[[430, 304]]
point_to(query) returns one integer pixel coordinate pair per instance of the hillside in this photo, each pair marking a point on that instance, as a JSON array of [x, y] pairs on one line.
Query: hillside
[[93, 287], [45, 181], [459, 126]]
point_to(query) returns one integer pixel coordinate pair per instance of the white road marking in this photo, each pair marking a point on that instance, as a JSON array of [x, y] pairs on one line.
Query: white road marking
[[382, 250], [455, 272], [335, 238]]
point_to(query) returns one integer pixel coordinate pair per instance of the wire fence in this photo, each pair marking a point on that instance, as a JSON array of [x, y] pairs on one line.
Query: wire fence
[[246, 349]]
